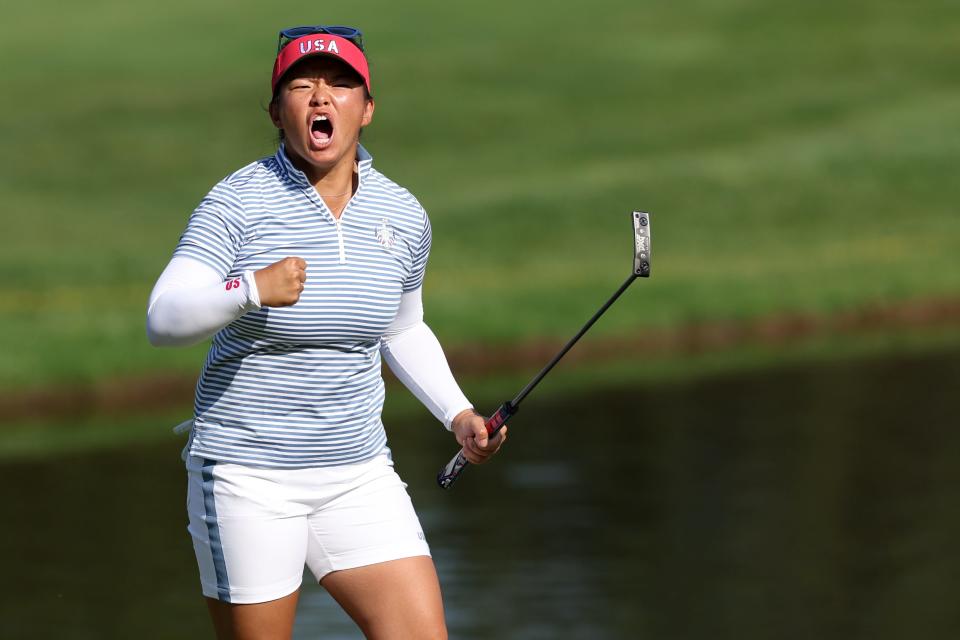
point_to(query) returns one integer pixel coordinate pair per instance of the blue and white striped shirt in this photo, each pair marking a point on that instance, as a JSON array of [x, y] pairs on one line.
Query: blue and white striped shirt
[[301, 386]]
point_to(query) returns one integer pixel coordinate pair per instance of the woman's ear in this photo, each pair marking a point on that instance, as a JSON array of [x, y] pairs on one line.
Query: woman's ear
[[367, 113], [274, 110]]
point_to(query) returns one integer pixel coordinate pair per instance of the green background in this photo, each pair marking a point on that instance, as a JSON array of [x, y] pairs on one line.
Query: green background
[[797, 158], [756, 442]]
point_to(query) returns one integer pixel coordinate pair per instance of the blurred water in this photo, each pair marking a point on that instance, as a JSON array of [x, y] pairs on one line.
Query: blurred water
[[815, 502]]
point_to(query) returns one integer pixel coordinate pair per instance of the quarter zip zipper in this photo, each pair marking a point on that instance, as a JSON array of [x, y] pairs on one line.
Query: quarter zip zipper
[[343, 251], [317, 198]]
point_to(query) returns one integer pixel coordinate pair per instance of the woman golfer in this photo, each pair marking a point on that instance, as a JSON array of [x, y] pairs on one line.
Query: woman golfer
[[306, 269]]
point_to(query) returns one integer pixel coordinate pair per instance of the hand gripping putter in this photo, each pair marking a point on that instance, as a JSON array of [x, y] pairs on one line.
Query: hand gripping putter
[[641, 269]]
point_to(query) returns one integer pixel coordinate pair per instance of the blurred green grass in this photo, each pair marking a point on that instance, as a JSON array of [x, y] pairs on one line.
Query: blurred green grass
[[795, 158]]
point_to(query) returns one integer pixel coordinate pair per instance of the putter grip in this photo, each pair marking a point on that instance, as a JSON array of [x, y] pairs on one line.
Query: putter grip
[[455, 467]]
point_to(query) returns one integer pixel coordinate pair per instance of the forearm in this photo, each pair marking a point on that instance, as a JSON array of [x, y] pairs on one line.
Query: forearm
[[415, 356], [190, 303]]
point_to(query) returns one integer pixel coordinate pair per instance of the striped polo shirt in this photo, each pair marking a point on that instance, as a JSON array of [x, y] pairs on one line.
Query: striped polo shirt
[[301, 386]]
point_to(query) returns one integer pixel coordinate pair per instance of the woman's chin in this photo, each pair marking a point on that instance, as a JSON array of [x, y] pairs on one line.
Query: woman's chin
[[314, 155]]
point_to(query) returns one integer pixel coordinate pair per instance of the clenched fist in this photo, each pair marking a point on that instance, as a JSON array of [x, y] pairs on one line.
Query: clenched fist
[[281, 284]]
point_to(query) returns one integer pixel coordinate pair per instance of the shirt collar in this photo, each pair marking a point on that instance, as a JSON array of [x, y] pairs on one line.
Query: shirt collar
[[364, 162], [290, 172]]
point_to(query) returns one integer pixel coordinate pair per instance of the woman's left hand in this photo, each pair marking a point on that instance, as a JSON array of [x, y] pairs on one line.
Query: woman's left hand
[[469, 428]]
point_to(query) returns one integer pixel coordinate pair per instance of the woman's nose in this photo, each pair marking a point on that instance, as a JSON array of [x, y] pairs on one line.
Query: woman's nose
[[321, 95]]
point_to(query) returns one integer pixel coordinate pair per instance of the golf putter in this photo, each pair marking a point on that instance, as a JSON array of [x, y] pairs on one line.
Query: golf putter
[[641, 269]]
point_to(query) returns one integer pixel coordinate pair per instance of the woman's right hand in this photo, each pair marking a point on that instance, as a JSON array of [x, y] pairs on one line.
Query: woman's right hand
[[281, 284]]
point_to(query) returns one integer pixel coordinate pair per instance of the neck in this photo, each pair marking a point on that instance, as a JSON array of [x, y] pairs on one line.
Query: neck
[[335, 181], [335, 184]]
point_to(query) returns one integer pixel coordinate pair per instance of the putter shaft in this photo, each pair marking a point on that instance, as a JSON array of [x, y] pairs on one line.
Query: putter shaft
[[641, 268]]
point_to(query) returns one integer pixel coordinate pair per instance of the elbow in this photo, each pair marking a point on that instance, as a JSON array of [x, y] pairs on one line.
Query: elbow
[[166, 325], [161, 335], [153, 335], [158, 338]]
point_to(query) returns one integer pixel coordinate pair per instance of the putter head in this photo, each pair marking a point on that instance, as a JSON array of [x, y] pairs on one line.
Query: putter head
[[641, 244]]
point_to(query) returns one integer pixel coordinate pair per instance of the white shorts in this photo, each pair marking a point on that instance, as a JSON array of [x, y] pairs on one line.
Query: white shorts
[[255, 529]]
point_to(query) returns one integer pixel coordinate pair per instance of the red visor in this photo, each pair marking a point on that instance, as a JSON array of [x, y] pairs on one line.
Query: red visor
[[320, 44]]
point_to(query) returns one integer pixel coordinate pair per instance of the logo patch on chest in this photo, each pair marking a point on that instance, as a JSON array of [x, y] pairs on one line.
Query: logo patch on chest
[[386, 235]]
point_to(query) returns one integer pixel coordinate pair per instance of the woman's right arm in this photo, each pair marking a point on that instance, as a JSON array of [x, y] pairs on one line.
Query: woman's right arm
[[190, 302]]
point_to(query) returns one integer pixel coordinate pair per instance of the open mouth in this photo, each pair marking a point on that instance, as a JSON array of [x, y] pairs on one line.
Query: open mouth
[[321, 130]]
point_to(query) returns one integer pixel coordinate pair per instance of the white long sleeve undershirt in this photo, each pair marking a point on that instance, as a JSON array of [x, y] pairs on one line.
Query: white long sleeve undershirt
[[415, 356], [190, 303]]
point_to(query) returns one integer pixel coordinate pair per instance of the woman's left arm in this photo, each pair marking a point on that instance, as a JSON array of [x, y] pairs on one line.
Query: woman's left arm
[[415, 356]]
